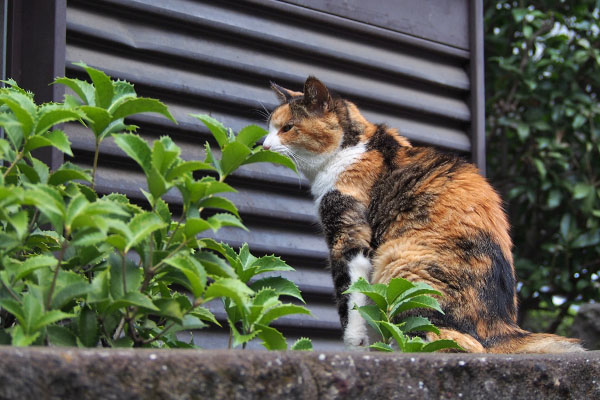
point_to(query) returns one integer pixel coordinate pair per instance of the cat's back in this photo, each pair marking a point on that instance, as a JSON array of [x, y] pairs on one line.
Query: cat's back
[[433, 204]]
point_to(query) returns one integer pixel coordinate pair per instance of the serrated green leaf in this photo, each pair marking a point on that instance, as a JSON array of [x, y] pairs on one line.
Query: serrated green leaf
[[54, 114], [272, 157], [14, 308], [20, 222], [156, 183], [271, 337], [68, 172], [221, 219], [379, 346], [140, 105], [136, 299], [133, 276], [395, 332], [421, 301], [63, 296], [23, 108], [32, 312], [187, 166], [57, 138], [141, 226], [420, 324], [136, 148], [280, 311], [210, 159], [214, 265], [20, 338], [103, 86], [205, 315], [219, 202], [170, 308], [61, 336], [302, 344], [193, 271], [98, 119], [396, 287], [99, 288], [239, 339], [376, 292], [233, 289], [35, 263], [372, 315], [84, 89], [50, 317], [216, 128], [194, 226], [282, 286], [232, 156], [50, 203], [250, 134]]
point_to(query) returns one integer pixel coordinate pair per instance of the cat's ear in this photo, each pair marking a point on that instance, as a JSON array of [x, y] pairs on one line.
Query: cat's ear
[[284, 95], [316, 96]]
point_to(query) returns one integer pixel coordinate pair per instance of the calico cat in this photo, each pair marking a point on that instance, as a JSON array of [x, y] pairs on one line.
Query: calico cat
[[392, 210]]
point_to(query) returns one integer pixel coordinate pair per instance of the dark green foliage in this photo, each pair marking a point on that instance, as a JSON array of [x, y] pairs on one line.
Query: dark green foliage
[[77, 269], [542, 82]]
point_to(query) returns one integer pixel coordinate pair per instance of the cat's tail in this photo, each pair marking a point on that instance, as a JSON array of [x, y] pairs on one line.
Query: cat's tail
[[540, 343], [517, 341]]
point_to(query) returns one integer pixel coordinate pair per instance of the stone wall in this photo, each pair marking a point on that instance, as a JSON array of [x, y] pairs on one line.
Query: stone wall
[[56, 373]]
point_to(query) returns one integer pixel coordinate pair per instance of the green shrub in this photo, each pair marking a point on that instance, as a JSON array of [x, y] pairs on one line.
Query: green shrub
[[79, 269], [543, 123], [389, 301]]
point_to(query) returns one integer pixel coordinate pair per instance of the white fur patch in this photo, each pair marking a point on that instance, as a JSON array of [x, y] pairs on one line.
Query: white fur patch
[[272, 140], [356, 333], [326, 178]]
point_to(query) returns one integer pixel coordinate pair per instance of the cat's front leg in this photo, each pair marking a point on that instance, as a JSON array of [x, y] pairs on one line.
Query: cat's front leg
[[348, 236]]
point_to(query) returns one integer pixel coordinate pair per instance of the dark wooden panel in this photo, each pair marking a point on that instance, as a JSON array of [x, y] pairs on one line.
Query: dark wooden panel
[[218, 58], [443, 21]]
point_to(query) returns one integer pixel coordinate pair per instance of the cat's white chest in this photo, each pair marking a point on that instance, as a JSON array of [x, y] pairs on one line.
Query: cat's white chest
[[326, 179]]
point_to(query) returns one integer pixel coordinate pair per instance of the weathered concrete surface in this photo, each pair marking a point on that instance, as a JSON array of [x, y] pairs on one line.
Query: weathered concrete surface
[[54, 373]]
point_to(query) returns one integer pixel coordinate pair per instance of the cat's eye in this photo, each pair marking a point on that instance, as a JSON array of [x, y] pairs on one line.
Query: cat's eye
[[287, 127]]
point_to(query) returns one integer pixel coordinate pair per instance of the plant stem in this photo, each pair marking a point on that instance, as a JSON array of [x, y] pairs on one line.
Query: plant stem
[[11, 292], [54, 278], [95, 165], [19, 157], [119, 328], [124, 277], [197, 303]]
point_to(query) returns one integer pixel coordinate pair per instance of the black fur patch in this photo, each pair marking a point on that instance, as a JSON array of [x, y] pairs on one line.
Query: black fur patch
[[498, 292], [341, 282], [331, 209], [352, 129], [384, 143], [396, 192]]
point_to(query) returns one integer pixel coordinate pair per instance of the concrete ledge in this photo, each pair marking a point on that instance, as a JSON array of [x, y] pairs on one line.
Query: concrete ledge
[[58, 373]]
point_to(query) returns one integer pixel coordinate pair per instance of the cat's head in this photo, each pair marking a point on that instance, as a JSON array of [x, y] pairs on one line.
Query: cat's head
[[305, 125]]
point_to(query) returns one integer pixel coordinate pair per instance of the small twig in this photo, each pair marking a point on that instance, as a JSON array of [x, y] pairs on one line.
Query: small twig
[[95, 165], [11, 166], [54, 278], [123, 271], [119, 329], [11, 292]]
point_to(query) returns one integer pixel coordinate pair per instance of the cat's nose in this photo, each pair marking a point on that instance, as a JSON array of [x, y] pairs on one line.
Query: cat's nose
[[266, 145]]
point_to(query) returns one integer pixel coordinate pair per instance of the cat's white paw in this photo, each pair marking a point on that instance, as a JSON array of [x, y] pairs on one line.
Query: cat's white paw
[[356, 334]]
